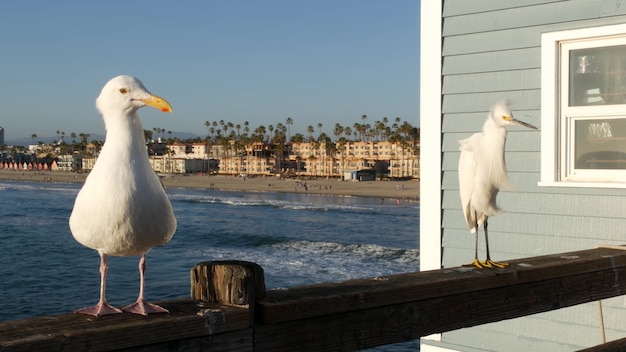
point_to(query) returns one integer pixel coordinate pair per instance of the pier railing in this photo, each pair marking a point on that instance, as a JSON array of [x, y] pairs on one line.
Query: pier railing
[[230, 310]]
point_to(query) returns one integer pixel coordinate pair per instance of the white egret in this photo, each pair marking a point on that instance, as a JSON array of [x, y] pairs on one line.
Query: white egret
[[482, 172], [122, 209]]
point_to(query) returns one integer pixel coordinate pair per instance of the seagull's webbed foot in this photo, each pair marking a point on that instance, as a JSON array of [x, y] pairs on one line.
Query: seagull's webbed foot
[[491, 264], [100, 309], [144, 308]]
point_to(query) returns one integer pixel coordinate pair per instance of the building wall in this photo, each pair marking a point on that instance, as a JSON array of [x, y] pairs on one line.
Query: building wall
[[402, 160], [492, 50]]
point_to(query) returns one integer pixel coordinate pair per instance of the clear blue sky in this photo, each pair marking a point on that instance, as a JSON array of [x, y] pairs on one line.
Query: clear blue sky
[[322, 61]]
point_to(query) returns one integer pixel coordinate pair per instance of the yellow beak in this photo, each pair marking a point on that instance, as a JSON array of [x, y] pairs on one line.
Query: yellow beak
[[157, 103]]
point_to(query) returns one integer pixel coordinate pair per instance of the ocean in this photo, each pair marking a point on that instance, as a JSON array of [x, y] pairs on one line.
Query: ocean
[[298, 239]]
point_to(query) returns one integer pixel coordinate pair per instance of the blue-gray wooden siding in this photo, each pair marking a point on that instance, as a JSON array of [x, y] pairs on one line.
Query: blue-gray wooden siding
[[492, 50]]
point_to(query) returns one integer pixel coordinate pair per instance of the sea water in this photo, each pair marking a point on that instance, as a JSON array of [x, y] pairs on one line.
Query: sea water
[[297, 238]]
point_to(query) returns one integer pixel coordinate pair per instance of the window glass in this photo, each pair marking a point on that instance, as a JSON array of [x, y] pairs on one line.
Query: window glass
[[600, 144], [597, 76]]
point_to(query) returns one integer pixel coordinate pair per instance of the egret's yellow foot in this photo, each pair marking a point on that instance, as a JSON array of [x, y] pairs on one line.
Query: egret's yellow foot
[[476, 263], [491, 264]]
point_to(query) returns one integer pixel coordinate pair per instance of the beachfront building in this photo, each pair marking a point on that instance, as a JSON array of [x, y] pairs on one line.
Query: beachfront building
[[88, 163], [172, 165], [70, 162], [190, 150], [332, 160], [258, 158], [560, 64]]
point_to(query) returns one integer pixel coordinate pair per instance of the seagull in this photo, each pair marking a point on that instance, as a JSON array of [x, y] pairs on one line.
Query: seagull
[[482, 172], [122, 209]]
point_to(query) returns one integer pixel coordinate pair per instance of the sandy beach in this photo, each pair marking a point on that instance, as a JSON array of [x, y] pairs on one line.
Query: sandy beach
[[387, 190]]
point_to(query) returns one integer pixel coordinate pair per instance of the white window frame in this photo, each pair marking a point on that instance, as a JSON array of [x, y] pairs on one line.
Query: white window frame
[[556, 117]]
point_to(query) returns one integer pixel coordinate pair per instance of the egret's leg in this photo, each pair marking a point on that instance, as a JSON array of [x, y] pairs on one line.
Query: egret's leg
[[103, 307], [490, 263], [141, 306], [476, 262]]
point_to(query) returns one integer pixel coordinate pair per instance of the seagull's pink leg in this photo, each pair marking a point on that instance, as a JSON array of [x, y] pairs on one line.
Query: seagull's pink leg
[[141, 306], [103, 307]]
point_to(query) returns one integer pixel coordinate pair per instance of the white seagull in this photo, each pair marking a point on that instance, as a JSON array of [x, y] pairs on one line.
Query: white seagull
[[122, 209], [482, 172]]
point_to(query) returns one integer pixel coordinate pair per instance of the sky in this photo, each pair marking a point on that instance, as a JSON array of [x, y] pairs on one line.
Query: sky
[[322, 61]]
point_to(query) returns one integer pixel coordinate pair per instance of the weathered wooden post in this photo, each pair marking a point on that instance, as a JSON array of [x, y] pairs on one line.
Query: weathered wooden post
[[234, 283]]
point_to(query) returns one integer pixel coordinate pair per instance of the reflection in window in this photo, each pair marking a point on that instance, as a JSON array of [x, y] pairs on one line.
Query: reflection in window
[[598, 76], [600, 144]]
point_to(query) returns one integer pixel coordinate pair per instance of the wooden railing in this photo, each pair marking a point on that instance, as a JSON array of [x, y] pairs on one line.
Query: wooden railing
[[230, 310]]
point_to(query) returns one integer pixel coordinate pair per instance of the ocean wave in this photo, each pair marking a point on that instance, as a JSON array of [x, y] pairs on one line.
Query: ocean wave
[[369, 251], [293, 263], [271, 203], [33, 186]]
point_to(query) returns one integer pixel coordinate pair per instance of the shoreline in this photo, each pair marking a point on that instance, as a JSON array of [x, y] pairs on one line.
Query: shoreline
[[392, 190]]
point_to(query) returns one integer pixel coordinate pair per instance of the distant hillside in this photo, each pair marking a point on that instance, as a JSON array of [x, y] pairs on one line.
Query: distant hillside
[[179, 135], [51, 139]]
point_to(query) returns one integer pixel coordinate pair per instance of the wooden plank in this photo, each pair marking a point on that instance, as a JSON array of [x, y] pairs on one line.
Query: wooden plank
[[76, 332], [344, 316], [240, 341], [537, 274], [613, 346], [530, 286], [351, 331]]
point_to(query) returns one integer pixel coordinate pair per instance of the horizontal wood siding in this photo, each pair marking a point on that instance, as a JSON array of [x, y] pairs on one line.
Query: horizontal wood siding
[[491, 50]]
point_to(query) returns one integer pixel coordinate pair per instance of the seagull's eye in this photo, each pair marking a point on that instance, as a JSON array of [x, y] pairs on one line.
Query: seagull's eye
[[123, 90]]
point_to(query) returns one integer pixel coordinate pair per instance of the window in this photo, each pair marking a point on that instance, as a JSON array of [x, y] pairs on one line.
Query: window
[[583, 105]]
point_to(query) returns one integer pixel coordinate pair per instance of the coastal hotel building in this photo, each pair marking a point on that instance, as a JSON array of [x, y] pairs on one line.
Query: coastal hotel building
[[382, 159]]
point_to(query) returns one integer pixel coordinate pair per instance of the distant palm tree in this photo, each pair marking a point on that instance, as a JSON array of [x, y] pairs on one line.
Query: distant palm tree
[[147, 135], [357, 130], [347, 131], [338, 131], [259, 134], [297, 138], [207, 125], [289, 122], [312, 159], [310, 130], [341, 146], [298, 161]]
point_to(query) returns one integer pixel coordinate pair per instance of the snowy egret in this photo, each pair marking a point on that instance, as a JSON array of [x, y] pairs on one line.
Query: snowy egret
[[122, 209], [482, 172]]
